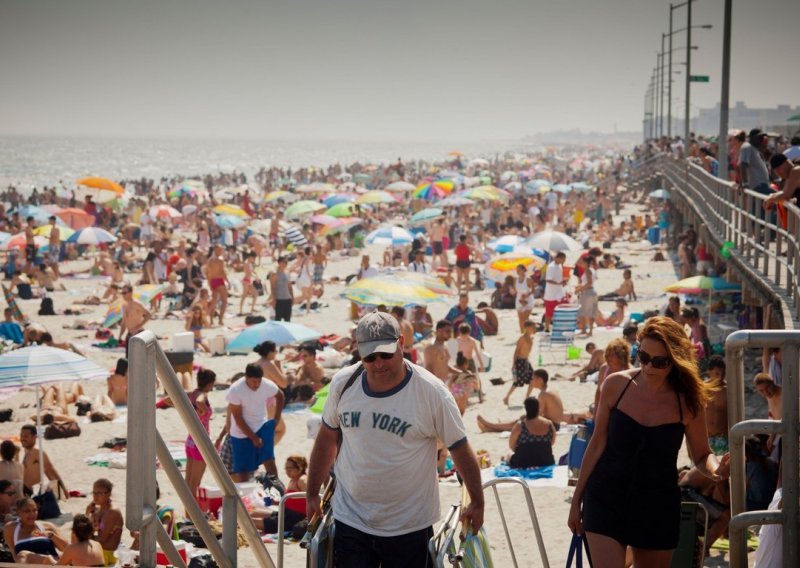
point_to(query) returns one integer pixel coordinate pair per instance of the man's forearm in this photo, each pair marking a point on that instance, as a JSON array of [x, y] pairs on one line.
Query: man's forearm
[[470, 471], [321, 460]]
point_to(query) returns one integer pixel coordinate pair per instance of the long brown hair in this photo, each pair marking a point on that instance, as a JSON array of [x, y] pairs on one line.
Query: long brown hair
[[684, 376]]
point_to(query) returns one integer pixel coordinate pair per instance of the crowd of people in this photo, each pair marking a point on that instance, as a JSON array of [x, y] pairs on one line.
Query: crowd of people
[[658, 382]]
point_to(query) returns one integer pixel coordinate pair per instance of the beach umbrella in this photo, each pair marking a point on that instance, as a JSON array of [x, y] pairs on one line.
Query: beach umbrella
[[390, 235], [229, 209], [340, 225], [19, 241], [426, 215], [316, 187], [75, 218], [332, 200], [229, 221], [505, 243], [305, 207], [659, 194], [434, 189], [224, 195], [165, 212], [702, 284], [321, 219], [45, 230], [11, 300], [582, 186], [392, 290], [276, 195], [5, 236], [513, 186], [113, 314], [479, 162], [342, 210], [103, 184], [506, 264], [281, 332], [429, 281], [180, 191], [484, 193], [91, 236], [188, 209], [455, 154], [400, 187], [553, 241], [454, 201], [39, 214], [376, 196], [562, 188]]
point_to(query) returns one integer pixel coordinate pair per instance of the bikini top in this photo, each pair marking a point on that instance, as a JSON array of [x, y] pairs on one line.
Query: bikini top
[[36, 544]]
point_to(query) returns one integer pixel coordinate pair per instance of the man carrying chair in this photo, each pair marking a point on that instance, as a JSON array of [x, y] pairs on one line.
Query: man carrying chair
[[387, 497]]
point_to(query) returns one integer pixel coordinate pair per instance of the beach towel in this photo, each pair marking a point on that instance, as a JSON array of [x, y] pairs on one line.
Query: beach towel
[[544, 472], [476, 550], [11, 331]]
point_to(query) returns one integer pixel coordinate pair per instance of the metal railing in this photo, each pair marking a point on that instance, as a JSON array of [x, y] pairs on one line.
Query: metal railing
[[145, 444], [788, 427]]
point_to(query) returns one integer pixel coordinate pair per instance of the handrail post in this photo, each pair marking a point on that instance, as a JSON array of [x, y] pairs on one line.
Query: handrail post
[[140, 498]]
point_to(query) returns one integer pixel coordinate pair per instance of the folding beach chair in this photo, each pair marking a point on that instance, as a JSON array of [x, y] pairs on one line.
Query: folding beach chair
[[562, 332], [690, 552]]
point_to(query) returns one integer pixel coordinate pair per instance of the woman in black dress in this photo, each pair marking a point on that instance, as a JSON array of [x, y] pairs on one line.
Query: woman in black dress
[[627, 493]]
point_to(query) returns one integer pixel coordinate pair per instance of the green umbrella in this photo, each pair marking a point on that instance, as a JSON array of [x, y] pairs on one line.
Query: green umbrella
[[342, 210], [305, 207], [426, 215], [793, 118]]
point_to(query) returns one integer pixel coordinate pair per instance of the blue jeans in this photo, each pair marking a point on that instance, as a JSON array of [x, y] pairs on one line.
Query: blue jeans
[[353, 548]]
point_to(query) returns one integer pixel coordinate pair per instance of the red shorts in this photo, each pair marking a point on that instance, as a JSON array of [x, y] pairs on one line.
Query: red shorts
[[215, 283], [550, 308]]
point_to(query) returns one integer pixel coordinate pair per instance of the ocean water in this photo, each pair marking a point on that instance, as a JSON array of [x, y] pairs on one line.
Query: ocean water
[[28, 162]]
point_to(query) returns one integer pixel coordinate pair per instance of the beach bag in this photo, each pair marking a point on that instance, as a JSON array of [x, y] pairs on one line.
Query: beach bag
[[46, 307], [48, 505], [62, 430], [259, 286], [576, 547]]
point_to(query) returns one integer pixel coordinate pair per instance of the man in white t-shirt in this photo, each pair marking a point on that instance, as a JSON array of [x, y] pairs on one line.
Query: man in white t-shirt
[[390, 415], [252, 433], [553, 288], [419, 264]]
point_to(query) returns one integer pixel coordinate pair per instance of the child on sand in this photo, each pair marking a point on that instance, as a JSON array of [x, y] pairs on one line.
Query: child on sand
[[469, 348], [522, 369]]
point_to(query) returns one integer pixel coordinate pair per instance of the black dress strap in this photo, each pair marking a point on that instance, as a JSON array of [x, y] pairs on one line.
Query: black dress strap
[[626, 388]]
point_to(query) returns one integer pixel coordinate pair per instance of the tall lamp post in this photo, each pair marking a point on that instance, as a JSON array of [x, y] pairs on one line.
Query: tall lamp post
[[687, 126], [724, 99]]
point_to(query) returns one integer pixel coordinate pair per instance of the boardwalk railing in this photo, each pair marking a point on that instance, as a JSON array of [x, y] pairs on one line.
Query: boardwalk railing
[[145, 444]]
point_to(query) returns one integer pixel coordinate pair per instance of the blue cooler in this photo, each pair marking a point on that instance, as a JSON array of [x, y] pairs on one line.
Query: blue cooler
[[654, 235]]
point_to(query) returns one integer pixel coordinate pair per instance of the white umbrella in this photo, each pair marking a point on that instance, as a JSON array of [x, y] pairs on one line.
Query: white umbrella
[[553, 241], [91, 236], [400, 186], [40, 364], [390, 235]]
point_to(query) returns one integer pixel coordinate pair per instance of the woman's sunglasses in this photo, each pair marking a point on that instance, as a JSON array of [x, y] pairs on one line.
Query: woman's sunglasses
[[372, 357], [660, 362]]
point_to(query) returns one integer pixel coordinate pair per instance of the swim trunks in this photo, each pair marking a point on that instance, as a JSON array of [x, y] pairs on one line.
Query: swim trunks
[[522, 372], [215, 283], [437, 247]]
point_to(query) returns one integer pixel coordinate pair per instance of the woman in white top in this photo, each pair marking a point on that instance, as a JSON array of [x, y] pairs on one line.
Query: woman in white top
[[588, 309], [524, 301], [304, 277]]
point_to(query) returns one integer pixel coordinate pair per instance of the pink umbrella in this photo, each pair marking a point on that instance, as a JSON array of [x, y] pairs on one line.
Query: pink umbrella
[[165, 212]]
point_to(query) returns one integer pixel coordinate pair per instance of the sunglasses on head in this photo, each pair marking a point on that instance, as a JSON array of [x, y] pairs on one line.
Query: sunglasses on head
[[660, 362], [373, 356]]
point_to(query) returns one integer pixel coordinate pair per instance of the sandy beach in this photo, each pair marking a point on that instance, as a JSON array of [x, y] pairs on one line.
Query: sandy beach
[[552, 503]]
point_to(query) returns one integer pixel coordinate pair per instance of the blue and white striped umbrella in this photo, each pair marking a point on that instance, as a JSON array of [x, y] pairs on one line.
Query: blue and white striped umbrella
[[91, 236], [390, 235], [505, 243], [40, 364]]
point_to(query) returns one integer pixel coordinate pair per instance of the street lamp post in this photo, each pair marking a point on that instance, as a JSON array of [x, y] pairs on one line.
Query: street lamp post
[[687, 126], [661, 91], [724, 99]]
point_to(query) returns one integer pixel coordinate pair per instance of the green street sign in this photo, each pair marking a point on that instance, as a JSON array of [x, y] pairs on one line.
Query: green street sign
[[698, 78]]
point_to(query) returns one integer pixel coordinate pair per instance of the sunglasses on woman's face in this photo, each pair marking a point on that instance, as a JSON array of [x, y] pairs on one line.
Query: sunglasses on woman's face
[[371, 358], [659, 362]]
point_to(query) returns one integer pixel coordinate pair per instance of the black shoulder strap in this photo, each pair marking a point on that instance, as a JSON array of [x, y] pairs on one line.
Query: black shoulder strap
[[351, 380]]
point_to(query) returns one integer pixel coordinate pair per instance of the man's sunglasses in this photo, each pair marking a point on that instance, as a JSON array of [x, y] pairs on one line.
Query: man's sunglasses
[[660, 362], [373, 356]]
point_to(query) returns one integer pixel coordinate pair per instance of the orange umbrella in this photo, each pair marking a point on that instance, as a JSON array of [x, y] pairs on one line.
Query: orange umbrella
[[102, 183], [76, 218]]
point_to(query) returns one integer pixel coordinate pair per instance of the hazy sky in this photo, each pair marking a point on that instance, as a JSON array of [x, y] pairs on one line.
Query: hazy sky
[[368, 69]]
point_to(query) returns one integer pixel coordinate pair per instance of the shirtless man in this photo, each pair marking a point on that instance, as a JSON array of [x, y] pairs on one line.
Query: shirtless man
[[406, 330], [54, 246], [30, 463], [717, 409], [597, 359], [521, 366], [275, 234], [310, 372], [469, 348], [438, 232], [550, 406], [626, 290], [118, 383], [436, 355], [217, 281], [134, 316]]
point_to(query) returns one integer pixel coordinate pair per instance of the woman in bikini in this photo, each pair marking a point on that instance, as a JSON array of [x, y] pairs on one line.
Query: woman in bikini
[[248, 289], [106, 520], [195, 321], [195, 464], [32, 542]]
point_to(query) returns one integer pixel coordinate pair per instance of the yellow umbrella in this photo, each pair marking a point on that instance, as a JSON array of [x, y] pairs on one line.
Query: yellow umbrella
[[102, 183], [44, 231], [275, 195], [228, 209], [506, 264], [376, 196]]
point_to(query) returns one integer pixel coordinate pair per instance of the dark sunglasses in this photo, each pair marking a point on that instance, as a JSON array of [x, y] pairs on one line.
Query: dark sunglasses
[[372, 357], [660, 362]]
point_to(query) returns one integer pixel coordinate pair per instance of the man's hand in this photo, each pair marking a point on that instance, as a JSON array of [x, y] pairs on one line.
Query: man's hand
[[473, 515], [313, 506], [257, 442]]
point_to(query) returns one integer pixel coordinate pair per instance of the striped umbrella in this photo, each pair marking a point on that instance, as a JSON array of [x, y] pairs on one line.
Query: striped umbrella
[[19, 241], [91, 236], [434, 189], [228, 209], [505, 243], [553, 241], [390, 235], [40, 364], [11, 300]]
